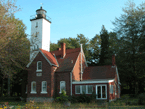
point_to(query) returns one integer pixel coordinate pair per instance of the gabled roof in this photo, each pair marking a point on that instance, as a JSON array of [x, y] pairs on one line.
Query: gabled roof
[[47, 55], [67, 63], [99, 72], [50, 57]]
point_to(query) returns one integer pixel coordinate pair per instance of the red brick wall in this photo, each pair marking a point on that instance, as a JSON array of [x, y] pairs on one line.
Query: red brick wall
[[77, 68], [46, 76], [62, 76]]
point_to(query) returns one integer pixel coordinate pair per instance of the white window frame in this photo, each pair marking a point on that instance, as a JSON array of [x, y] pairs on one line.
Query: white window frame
[[76, 88], [32, 91], [81, 91], [60, 86], [88, 89], [39, 70], [111, 88], [42, 91], [101, 91]]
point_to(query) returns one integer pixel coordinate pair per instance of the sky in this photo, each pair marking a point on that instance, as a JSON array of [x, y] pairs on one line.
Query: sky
[[72, 17]]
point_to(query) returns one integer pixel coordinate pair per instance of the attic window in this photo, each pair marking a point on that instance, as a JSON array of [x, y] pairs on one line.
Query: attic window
[[39, 66]]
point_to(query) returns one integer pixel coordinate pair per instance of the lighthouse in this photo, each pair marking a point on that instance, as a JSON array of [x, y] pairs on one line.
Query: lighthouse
[[40, 32]]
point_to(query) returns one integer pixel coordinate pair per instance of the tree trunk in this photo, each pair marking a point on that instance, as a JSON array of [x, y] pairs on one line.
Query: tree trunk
[[2, 87], [9, 86]]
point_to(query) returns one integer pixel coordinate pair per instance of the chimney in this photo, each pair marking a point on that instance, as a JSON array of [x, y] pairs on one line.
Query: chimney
[[113, 60], [63, 49], [58, 49]]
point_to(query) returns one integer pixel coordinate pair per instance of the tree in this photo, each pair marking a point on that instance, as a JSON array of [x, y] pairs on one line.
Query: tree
[[85, 41], [104, 47], [14, 45], [130, 27], [94, 52]]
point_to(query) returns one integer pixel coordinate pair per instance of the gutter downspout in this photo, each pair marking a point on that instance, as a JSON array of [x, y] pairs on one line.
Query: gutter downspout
[[81, 63]]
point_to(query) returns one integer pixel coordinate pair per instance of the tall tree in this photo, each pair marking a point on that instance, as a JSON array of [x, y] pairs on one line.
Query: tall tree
[[95, 50], [14, 45], [104, 47], [130, 27]]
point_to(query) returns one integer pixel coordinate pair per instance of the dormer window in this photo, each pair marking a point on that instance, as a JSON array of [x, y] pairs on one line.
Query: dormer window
[[39, 66]]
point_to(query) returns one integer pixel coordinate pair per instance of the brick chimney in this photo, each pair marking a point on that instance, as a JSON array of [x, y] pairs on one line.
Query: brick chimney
[[113, 60], [63, 49]]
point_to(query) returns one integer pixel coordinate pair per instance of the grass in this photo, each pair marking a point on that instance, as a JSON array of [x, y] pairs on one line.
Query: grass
[[124, 101]]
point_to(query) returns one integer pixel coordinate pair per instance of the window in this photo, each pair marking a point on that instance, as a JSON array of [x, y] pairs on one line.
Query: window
[[39, 66], [87, 89], [44, 87], [111, 89], [62, 86], [90, 89], [33, 87], [77, 89], [101, 91], [84, 89]]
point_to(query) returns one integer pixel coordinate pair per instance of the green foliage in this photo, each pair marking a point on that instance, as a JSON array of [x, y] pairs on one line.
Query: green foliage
[[130, 27], [141, 99], [62, 98], [104, 47], [83, 98]]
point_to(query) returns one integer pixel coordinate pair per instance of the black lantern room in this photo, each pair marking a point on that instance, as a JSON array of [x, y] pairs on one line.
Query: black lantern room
[[40, 13]]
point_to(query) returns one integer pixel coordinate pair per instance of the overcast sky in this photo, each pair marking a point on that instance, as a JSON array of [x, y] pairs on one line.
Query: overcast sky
[[72, 17]]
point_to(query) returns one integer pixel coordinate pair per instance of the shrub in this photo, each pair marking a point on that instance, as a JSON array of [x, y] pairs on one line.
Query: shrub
[[83, 98], [62, 98], [141, 99]]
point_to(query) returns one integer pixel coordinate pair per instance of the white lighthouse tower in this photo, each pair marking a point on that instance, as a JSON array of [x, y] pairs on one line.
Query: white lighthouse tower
[[40, 32]]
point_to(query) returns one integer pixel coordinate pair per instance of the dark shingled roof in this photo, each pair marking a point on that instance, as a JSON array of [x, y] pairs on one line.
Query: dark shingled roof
[[99, 72], [67, 63]]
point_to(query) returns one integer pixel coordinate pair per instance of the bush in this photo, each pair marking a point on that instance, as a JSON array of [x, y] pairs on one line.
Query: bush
[[62, 98], [141, 99], [82, 98]]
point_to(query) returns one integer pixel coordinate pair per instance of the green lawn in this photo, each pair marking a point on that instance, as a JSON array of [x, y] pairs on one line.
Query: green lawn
[[124, 102]]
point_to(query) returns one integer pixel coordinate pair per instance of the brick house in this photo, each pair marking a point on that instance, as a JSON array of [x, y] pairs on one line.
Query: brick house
[[66, 69], [50, 72]]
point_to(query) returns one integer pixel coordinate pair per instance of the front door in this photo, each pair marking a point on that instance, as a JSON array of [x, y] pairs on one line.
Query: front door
[[101, 91]]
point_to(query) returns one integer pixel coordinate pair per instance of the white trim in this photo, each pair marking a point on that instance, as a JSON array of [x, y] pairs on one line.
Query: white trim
[[56, 60], [86, 82], [85, 59], [33, 92], [32, 59], [101, 91], [39, 70], [76, 88], [81, 90], [88, 89], [43, 56], [42, 91], [60, 86]]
